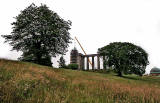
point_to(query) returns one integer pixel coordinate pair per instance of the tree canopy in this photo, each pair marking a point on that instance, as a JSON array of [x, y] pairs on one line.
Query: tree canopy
[[39, 33], [125, 58]]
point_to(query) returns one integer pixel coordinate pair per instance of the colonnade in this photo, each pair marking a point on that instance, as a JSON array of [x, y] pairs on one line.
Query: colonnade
[[81, 61]]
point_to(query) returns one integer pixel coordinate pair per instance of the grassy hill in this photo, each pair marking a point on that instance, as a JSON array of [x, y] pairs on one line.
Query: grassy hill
[[22, 82]]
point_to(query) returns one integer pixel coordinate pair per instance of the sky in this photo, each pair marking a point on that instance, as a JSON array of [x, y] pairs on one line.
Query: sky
[[95, 23]]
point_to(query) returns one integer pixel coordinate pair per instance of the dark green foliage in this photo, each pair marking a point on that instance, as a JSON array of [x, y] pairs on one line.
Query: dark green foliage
[[39, 33], [125, 58], [73, 66], [62, 63]]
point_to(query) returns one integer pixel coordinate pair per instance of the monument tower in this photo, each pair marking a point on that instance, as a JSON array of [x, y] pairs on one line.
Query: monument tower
[[74, 56]]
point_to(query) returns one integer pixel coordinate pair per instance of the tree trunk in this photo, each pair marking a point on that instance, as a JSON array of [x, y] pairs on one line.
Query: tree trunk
[[39, 58], [38, 53], [119, 68], [119, 71]]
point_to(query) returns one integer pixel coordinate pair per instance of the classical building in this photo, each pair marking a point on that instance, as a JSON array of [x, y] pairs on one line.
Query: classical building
[[155, 71], [80, 59]]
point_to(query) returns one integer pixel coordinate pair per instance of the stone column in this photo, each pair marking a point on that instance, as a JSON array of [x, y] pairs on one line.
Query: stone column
[[82, 62], [98, 62], [79, 62], [87, 63], [93, 62]]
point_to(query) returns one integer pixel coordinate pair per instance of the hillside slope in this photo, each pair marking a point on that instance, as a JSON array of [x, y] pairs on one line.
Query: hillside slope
[[22, 82]]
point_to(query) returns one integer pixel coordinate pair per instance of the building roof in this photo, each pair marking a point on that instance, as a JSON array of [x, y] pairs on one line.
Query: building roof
[[155, 70]]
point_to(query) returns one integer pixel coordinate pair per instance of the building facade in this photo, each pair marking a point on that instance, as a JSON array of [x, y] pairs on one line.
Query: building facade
[[83, 60]]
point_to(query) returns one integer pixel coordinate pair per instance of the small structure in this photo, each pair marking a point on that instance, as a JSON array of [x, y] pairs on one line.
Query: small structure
[[155, 71]]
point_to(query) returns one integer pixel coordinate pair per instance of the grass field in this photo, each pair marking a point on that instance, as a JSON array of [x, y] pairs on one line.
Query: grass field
[[22, 82]]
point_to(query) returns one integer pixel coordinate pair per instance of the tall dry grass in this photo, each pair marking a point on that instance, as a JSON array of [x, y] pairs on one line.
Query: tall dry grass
[[22, 82]]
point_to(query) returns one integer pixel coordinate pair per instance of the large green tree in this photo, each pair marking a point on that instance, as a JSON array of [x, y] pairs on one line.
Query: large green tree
[[39, 33], [125, 57]]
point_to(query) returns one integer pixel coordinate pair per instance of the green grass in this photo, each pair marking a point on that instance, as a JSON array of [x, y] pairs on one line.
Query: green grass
[[22, 82]]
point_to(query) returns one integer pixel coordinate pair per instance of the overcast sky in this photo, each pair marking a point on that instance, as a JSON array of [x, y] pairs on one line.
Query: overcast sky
[[96, 23]]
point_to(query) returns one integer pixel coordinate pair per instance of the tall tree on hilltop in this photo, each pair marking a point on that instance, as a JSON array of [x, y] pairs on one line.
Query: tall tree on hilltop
[[62, 62], [125, 58], [40, 34]]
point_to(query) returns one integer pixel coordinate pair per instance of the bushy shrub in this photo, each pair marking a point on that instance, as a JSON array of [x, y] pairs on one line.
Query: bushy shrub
[[72, 66]]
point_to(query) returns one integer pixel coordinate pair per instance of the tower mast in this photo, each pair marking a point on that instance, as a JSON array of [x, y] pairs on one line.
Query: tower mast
[[83, 49]]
